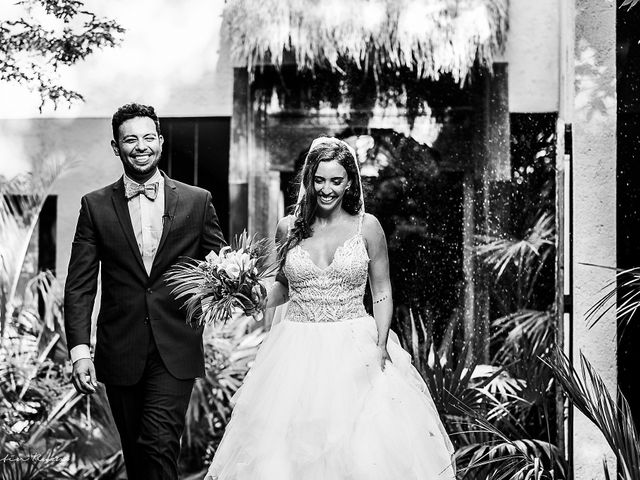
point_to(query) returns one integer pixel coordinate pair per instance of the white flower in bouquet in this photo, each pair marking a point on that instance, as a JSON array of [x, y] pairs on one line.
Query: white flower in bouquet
[[224, 282]]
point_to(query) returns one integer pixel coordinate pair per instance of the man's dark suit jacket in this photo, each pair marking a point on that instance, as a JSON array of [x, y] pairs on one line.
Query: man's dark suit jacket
[[132, 301]]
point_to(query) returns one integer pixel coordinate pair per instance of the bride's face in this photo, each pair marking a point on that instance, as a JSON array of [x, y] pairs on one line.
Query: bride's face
[[330, 184]]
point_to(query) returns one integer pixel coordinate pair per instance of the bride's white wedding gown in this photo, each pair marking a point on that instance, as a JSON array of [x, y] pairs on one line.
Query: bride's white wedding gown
[[316, 404]]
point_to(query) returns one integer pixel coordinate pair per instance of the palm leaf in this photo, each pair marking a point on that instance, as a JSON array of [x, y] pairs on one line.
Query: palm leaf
[[629, 3], [622, 294], [21, 200], [588, 393], [229, 351], [500, 457], [527, 333], [499, 252]]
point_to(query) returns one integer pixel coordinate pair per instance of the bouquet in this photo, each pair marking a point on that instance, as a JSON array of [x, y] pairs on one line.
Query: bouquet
[[223, 283]]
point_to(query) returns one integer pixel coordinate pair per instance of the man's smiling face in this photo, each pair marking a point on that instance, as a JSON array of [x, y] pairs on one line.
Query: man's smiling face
[[139, 146]]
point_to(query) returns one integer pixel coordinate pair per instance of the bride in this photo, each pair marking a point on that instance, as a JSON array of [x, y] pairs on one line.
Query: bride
[[332, 395]]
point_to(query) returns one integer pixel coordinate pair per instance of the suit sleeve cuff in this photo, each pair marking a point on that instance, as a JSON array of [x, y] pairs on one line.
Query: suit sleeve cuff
[[79, 352]]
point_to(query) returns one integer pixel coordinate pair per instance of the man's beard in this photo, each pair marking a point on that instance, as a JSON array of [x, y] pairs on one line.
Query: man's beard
[[134, 169]]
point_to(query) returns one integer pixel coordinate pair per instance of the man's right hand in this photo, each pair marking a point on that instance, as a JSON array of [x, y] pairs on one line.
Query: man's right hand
[[84, 376]]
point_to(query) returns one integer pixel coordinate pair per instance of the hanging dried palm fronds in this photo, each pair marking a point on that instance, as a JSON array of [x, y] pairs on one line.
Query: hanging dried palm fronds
[[431, 37]]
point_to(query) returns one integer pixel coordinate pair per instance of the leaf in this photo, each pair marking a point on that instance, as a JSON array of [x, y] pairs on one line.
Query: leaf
[[588, 393], [629, 3]]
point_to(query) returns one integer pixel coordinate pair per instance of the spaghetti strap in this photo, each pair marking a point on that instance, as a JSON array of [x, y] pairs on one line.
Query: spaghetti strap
[[360, 220]]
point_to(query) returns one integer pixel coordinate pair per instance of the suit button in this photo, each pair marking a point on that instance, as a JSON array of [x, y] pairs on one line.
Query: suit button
[[146, 320], [149, 290]]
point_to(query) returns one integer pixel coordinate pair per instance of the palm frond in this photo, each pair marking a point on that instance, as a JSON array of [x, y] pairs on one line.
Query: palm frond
[[629, 3], [501, 252], [526, 333], [500, 457], [21, 200], [588, 393], [622, 295], [229, 351]]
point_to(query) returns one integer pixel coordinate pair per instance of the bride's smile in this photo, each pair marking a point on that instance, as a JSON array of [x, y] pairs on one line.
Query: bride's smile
[[330, 184]]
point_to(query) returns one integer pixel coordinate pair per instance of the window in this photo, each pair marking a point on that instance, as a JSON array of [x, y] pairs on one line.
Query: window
[[196, 151]]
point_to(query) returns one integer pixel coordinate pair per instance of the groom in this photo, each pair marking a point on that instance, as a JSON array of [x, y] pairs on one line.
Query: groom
[[132, 231]]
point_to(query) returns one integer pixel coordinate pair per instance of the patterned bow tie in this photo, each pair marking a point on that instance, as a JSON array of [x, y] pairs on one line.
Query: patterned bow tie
[[132, 189]]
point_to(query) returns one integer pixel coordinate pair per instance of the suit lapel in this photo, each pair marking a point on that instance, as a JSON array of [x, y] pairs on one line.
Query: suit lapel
[[171, 198], [122, 212]]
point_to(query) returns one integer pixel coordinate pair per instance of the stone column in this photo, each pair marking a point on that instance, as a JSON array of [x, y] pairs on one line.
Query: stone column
[[592, 113]]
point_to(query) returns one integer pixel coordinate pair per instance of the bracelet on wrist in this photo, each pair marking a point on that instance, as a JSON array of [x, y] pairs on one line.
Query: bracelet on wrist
[[381, 299]]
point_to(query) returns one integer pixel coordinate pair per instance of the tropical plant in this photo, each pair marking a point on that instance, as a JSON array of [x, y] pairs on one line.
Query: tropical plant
[[229, 351], [496, 455], [586, 390], [21, 200], [622, 295], [485, 408], [45, 425], [518, 262], [41, 411]]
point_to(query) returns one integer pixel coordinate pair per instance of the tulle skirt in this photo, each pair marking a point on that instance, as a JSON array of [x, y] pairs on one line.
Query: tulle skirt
[[317, 406]]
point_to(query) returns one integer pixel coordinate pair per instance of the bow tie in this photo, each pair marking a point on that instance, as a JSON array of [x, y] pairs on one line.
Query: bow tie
[[133, 189]]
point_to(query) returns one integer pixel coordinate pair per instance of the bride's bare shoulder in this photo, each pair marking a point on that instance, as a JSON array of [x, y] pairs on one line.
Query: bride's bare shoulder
[[370, 224], [372, 231], [283, 226]]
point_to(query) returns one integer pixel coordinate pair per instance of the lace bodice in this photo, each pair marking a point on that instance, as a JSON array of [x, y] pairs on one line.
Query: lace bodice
[[330, 294]]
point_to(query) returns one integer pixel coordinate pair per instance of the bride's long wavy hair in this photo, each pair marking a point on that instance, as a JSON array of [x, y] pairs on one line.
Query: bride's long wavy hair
[[305, 209]]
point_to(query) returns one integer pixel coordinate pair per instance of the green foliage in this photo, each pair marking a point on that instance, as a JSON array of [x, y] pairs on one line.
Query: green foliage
[[519, 261], [31, 53], [588, 393], [47, 430], [44, 423], [629, 3], [229, 351], [621, 295]]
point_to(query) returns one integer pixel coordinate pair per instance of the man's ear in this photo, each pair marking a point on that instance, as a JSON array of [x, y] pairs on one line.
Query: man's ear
[[115, 147], [161, 140]]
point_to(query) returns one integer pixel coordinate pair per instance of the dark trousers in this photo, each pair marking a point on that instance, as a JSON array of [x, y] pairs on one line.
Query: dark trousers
[[150, 417]]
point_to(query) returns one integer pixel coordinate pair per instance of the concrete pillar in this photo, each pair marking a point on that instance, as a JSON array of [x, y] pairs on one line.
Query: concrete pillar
[[592, 112]]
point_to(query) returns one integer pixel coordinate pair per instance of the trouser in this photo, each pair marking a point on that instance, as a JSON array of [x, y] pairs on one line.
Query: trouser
[[150, 417]]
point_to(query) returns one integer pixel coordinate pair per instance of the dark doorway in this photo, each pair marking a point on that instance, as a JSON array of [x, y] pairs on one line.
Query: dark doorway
[[196, 151], [628, 191]]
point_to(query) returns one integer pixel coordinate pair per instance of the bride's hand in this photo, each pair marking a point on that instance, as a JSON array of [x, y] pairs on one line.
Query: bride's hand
[[384, 356]]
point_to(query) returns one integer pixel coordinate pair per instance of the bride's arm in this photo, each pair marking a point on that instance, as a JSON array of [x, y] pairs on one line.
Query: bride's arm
[[379, 280], [279, 292]]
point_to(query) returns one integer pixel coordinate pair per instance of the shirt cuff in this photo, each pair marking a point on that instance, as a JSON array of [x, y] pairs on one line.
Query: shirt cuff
[[79, 352]]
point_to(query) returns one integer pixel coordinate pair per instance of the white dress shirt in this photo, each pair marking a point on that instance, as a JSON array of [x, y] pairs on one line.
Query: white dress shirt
[[146, 219]]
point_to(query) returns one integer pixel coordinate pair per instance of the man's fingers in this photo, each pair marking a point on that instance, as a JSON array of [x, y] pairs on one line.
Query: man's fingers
[[84, 376], [82, 382], [92, 377], [85, 382]]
